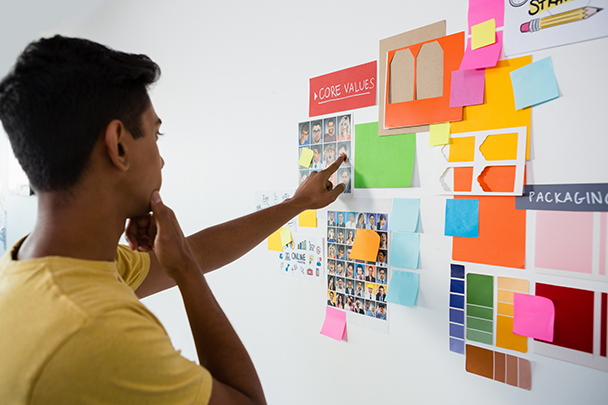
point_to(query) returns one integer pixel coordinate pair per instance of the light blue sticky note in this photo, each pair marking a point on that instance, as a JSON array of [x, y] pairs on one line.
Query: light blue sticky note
[[534, 84], [403, 288], [405, 250], [462, 218], [405, 214]]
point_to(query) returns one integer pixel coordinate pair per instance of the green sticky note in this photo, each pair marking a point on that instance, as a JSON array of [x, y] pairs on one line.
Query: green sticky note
[[483, 34], [383, 161], [480, 290], [306, 157], [439, 134]]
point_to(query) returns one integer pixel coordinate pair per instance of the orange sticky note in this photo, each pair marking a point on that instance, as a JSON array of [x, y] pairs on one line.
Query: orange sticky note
[[308, 218], [274, 242], [366, 245]]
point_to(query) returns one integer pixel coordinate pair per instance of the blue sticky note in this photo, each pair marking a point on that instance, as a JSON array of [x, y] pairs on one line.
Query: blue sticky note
[[405, 250], [534, 84], [403, 288], [405, 215], [462, 218]]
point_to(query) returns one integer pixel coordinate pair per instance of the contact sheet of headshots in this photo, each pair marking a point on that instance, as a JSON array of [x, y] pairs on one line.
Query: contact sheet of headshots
[[327, 138], [355, 285]]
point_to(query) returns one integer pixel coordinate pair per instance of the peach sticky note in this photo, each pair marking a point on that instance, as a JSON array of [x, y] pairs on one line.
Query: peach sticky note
[[274, 242], [439, 134], [533, 316], [305, 157], [308, 218], [366, 245], [335, 323], [285, 234], [483, 34]]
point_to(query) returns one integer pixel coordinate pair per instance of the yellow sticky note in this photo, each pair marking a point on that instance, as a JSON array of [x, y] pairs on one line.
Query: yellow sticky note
[[366, 245], [308, 218], [440, 134], [305, 157], [285, 234], [483, 34], [274, 242]]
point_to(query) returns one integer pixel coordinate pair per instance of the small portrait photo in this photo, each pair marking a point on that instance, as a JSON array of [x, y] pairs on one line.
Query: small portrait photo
[[344, 123], [370, 273], [331, 282], [350, 270], [359, 305], [340, 255], [317, 158], [370, 308], [331, 251], [331, 266], [340, 284], [339, 300], [381, 311], [383, 240], [359, 272], [361, 221], [340, 236], [370, 291], [381, 260], [350, 303], [382, 222], [371, 221], [344, 147], [340, 268], [348, 250], [382, 277], [341, 220], [350, 237], [350, 288], [330, 130], [351, 219], [304, 133], [359, 289], [303, 176], [331, 218], [331, 298], [344, 177], [329, 154], [380, 293], [317, 132], [331, 235]]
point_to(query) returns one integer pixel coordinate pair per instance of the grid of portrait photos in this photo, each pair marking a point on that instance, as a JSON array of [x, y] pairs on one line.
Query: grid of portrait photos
[[355, 285], [327, 138]]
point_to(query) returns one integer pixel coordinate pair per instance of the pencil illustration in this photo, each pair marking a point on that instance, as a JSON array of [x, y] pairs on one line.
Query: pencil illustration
[[558, 19]]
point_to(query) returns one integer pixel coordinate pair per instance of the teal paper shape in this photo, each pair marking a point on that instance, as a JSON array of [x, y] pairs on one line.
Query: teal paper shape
[[405, 215], [462, 218], [403, 289], [405, 250], [534, 84]]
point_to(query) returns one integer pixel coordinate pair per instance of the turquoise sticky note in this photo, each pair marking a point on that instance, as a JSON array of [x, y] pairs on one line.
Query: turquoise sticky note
[[403, 288], [534, 84], [405, 215], [405, 250], [462, 218]]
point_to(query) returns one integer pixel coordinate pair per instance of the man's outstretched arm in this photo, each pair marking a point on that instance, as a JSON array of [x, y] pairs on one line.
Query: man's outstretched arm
[[221, 244]]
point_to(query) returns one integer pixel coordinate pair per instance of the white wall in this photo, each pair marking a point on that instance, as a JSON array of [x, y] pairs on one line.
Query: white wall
[[234, 86]]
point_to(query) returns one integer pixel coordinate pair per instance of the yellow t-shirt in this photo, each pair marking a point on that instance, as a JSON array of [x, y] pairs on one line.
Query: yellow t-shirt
[[73, 331]]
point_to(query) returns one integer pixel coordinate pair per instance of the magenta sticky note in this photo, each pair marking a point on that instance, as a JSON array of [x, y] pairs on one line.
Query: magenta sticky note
[[482, 57], [484, 10], [335, 323], [533, 316], [467, 87]]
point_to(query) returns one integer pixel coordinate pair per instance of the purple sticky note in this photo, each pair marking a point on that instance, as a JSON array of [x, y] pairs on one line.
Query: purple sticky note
[[533, 316], [482, 57], [484, 10], [335, 323], [467, 87]]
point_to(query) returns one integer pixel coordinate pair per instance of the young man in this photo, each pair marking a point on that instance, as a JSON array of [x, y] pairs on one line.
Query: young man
[[84, 130]]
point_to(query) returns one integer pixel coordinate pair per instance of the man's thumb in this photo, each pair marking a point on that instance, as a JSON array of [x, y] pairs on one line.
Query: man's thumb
[[157, 205]]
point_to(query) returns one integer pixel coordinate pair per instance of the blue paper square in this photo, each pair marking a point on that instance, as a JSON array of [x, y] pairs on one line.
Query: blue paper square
[[403, 288], [405, 250], [534, 84], [462, 218], [457, 346], [405, 215]]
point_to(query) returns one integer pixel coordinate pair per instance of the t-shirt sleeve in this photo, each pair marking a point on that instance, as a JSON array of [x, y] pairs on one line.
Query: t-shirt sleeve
[[121, 358], [132, 266]]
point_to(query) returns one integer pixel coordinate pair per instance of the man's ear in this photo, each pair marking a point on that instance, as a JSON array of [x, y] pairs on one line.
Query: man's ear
[[115, 140]]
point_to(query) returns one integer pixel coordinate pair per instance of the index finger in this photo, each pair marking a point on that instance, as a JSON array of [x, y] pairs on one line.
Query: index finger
[[327, 172]]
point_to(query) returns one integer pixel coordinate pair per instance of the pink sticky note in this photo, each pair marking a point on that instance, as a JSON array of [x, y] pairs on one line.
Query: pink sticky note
[[467, 87], [482, 57], [484, 10], [533, 316], [335, 323]]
